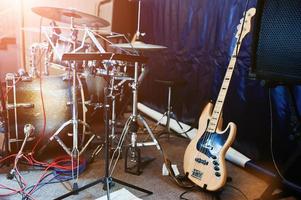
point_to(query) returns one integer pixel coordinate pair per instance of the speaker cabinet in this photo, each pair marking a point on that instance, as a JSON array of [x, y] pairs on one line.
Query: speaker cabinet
[[124, 18], [277, 41]]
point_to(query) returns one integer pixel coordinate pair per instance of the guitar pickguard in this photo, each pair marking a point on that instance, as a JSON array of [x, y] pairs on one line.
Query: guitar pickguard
[[210, 144]]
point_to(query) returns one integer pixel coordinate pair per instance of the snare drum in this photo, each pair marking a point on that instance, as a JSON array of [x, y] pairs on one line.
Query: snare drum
[[114, 69]]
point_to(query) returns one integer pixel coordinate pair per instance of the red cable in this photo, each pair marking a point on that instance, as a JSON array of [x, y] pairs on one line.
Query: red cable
[[8, 188], [45, 173], [57, 160], [23, 182], [7, 157], [32, 161]]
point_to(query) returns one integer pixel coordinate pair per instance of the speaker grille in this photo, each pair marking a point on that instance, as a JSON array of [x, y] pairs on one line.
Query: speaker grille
[[278, 55]]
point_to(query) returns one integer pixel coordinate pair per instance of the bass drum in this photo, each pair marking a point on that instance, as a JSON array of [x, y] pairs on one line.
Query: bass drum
[[24, 105]]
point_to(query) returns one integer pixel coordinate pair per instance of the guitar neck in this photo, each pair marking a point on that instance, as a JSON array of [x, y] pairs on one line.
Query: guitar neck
[[223, 91], [243, 28]]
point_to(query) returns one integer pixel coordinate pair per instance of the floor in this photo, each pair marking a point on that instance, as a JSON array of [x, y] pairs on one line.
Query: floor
[[242, 186]]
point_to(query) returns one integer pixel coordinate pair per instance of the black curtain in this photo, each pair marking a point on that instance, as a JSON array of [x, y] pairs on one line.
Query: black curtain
[[200, 38]]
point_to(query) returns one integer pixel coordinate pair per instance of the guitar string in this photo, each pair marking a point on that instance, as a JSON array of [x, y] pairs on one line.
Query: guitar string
[[208, 135], [235, 54]]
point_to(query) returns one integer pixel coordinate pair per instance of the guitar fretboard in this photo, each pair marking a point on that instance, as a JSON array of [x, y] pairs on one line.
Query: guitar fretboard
[[223, 91]]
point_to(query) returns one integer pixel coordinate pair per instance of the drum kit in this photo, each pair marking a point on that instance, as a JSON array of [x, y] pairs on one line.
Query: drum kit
[[61, 69]]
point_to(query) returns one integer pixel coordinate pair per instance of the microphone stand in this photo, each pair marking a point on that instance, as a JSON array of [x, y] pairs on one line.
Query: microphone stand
[[28, 130]]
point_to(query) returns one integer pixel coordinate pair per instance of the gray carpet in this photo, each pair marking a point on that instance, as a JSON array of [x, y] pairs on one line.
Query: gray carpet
[[151, 179]]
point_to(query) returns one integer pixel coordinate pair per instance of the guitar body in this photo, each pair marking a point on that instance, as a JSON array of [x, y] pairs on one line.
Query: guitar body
[[204, 158]]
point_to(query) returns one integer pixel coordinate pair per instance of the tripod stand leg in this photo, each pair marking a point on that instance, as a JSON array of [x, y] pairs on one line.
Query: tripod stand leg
[[119, 145], [104, 181], [87, 144], [57, 138], [73, 192], [75, 167], [174, 116], [132, 186], [158, 123], [179, 124], [61, 128], [149, 132]]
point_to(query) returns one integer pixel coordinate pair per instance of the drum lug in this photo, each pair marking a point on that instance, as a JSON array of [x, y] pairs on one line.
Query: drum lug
[[20, 105]]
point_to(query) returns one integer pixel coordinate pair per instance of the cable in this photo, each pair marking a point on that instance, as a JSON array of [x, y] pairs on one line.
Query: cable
[[57, 172], [50, 181], [7, 157], [187, 191], [237, 189], [62, 171], [271, 138], [42, 177], [21, 182]]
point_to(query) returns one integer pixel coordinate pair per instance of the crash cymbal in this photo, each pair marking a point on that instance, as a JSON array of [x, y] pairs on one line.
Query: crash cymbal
[[65, 15], [138, 45]]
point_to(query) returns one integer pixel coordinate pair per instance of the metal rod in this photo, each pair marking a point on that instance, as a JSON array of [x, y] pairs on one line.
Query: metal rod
[[135, 90], [138, 20], [74, 109], [15, 110], [113, 120], [168, 110]]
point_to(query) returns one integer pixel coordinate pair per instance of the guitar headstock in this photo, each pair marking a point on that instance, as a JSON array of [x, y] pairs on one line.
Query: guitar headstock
[[245, 24]]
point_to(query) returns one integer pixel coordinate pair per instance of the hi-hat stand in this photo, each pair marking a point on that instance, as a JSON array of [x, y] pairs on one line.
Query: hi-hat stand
[[107, 180], [132, 126]]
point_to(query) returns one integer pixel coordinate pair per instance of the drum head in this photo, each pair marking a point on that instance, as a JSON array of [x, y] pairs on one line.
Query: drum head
[[56, 98]]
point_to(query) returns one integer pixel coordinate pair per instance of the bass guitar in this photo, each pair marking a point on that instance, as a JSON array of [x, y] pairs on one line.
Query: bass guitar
[[204, 158]]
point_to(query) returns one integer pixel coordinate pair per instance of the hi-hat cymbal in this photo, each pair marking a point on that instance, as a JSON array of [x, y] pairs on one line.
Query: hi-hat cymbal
[[138, 45], [65, 15]]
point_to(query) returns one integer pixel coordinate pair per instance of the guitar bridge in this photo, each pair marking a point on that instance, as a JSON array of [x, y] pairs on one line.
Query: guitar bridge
[[197, 174]]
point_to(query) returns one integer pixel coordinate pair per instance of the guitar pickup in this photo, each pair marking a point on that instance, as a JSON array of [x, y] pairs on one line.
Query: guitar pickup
[[207, 146], [201, 161]]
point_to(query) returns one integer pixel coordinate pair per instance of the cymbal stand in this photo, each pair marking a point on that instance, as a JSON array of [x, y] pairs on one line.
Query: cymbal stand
[[113, 110], [138, 33], [74, 153], [75, 121], [131, 125], [107, 180]]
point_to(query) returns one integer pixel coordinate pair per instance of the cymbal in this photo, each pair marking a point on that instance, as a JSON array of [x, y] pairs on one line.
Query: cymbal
[[139, 46], [65, 15]]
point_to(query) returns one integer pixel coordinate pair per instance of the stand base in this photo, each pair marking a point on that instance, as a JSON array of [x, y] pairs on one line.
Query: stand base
[[103, 181], [136, 164], [108, 182], [74, 188]]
